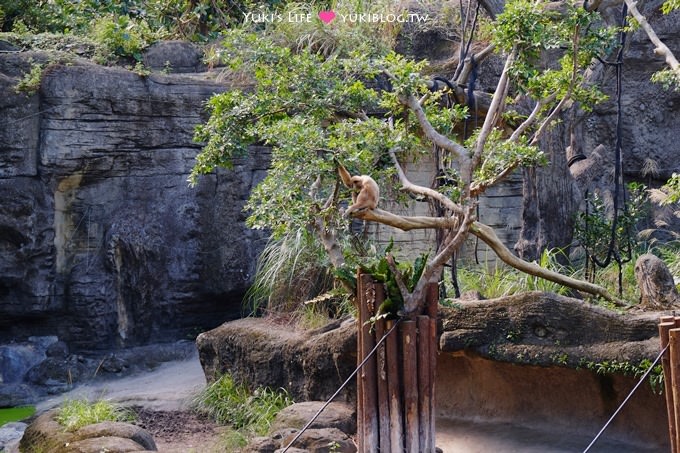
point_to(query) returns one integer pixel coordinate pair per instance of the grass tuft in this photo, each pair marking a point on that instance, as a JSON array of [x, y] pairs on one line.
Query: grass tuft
[[75, 414], [250, 413]]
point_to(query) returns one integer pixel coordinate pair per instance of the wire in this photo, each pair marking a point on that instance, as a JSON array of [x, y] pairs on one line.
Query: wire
[[344, 384], [642, 379]]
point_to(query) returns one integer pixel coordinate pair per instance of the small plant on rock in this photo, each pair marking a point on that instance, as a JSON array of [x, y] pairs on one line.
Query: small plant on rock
[[75, 414]]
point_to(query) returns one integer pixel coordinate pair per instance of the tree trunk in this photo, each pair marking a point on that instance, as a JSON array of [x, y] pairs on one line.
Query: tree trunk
[[549, 200]]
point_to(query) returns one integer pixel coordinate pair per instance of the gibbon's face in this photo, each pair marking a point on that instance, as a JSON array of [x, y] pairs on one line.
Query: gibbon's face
[[357, 182]]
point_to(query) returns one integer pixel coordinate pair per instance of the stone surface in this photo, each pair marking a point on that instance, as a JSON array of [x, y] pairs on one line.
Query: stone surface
[[45, 434], [336, 415], [10, 435], [657, 287], [117, 429], [322, 440], [311, 366], [102, 241], [522, 359], [546, 329], [174, 57]]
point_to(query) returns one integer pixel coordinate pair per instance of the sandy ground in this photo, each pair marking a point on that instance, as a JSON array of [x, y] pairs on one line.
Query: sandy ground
[[169, 387]]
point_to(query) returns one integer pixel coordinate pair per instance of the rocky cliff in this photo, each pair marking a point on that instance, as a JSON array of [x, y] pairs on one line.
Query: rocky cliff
[[102, 241]]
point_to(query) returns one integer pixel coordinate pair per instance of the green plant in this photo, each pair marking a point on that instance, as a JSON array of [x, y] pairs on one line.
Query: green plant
[[627, 368], [75, 414], [230, 403], [30, 83], [122, 36], [599, 235]]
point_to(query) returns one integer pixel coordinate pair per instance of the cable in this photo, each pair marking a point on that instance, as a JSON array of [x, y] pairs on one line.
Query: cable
[[642, 379], [344, 384]]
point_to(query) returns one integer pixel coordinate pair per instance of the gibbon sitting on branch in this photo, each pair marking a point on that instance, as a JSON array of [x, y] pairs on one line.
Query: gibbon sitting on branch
[[365, 191]]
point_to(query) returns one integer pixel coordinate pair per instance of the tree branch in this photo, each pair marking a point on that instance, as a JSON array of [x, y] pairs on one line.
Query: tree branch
[[459, 152], [406, 223], [487, 234], [422, 190], [661, 48], [495, 109]]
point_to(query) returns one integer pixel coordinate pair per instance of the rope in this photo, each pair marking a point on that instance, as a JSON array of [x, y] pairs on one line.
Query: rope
[[642, 379], [344, 384]]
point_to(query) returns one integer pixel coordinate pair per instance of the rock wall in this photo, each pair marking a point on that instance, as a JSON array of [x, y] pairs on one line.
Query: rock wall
[[102, 241]]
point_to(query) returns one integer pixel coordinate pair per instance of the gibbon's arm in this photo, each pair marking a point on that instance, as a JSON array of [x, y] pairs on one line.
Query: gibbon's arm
[[344, 175]]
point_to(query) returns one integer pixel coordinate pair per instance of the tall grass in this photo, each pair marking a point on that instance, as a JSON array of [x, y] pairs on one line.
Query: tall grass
[[233, 404], [290, 270], [502, 280]]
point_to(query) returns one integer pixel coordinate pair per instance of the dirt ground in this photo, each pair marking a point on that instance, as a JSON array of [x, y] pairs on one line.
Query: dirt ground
[[180, 431]]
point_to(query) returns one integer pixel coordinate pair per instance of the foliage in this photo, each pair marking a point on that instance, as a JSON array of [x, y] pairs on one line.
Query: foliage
[[628, 369], [370, 110], [14, 414], [234, 404], [122, 36], [672, 189], [670, 6], [30, 83], [384, 270], [196, 20], [532, 29], [667, 78], [341, 37], [75, 414], [594, 227]]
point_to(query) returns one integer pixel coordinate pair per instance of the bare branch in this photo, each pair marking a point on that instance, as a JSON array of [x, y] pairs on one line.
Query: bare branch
[[459, 152], [487, 234], [406, 223], [421, 190], [478, 57], [495, 108], [661, 48], [532, 117]]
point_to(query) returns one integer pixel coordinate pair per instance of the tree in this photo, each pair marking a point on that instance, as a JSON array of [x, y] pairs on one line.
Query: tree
[[373, 110]]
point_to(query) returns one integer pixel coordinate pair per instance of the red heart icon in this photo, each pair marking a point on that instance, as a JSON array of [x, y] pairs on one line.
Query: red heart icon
[[327, 16]]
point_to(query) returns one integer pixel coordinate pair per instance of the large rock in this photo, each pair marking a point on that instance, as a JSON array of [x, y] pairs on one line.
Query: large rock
[[310, 365], [341, 416], [46, 434], [102, 241]]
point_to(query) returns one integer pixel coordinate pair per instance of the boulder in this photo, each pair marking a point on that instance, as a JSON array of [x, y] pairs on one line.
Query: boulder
[[46, 434], [174, 57], [341, 416], [657, 287], [310, 365], [322, 440]]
